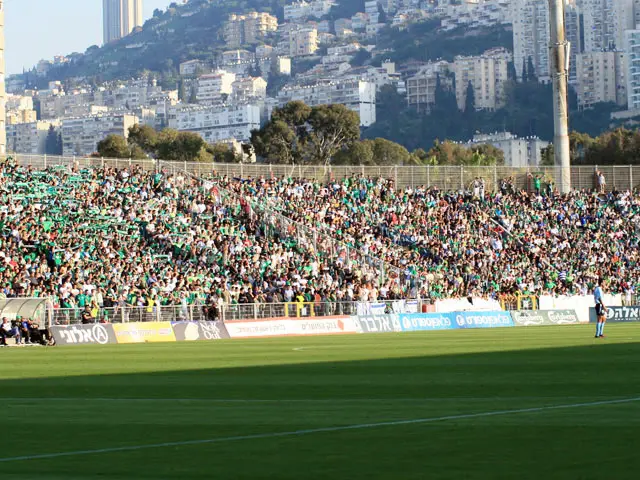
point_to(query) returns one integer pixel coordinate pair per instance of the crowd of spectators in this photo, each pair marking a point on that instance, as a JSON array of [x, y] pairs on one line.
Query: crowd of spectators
[[109, 238], [104, 237], [472, 242]]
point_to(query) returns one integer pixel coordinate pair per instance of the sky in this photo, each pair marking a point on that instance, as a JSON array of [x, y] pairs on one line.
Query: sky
[[37, 29]]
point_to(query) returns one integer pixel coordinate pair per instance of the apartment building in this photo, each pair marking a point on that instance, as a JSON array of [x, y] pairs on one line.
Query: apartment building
[[249, 88], [358, 95], [632, 50], [421, 87], [217, 123], [213, 86], [249, 28], [573, 24], [302, 10], [80, 136], [518, 152], [531, 36], [120, 18], [55, 105], [601, 77], [605, 22], [487, 75], [29, 138]]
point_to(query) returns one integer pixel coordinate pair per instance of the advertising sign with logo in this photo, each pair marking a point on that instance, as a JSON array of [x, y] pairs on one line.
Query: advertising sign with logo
[[413, 322], [528, 318], [290, 327], [377, 323], [483, 319], [97, 334], [144, 332], [192, 331], [618, 314]]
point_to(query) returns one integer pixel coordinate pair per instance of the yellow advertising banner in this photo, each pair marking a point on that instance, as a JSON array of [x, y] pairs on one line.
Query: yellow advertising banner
[[144, 332]]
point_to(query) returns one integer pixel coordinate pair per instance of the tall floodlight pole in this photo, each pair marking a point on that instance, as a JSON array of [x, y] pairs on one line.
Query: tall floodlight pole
[[3, 95], [559, 65]]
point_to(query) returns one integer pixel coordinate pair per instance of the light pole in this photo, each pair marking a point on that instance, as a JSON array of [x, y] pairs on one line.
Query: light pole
[[3, 94], [559, 56]]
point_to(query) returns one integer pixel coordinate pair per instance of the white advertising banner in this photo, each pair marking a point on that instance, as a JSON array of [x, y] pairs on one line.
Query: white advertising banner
[[284, 327]]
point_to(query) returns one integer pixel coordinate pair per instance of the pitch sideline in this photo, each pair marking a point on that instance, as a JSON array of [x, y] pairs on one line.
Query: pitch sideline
[[316, 430]]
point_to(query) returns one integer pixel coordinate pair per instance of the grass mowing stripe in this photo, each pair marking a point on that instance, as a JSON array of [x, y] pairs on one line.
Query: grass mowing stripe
[[316, 430]]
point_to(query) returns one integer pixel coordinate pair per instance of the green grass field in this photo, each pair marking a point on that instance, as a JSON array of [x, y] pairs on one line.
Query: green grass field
[[489, 404]]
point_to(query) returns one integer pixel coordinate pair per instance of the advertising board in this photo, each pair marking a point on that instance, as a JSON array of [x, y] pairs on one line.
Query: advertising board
[[618, 314], [193, 331], [277, 327], [376, 323], [144, 332], [527, 318], [483, 319], [414, 322], [96, 334]]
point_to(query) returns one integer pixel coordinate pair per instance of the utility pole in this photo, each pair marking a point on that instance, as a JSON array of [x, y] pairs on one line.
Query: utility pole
[[3, 94], [559, 59]]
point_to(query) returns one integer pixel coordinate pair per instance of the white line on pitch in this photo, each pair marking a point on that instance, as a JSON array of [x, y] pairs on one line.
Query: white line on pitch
[[282, 400], [294, 433]]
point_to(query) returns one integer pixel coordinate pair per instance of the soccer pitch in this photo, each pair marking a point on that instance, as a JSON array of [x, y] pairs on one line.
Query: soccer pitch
[[539, 402]]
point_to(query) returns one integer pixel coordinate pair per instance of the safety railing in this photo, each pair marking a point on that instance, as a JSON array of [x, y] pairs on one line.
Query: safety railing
[[177, 313], [622, 177], [126, 314]]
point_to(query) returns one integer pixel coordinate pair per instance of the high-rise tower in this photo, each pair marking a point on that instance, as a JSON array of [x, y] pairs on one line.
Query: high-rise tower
[[120, 18]]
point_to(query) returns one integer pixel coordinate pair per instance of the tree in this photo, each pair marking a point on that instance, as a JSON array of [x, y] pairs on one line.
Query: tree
[[386, 152], [52, 146], [359, 153], [276, 142], [222, 153], [525, 75], [548, 156], [360, 58], [144, 137], [531, 71], [333, 127], [113, 146], [470, 99], [182, 146]]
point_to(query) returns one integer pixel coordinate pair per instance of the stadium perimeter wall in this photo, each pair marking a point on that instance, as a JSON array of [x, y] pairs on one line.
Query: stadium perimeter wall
[[151, 332]]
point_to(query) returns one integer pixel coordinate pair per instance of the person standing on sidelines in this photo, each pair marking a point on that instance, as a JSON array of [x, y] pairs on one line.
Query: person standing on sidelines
[[601, 309]]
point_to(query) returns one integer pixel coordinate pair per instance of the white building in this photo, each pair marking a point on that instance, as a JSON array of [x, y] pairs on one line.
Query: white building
[[487, 75], [249, 88], [29, 138], [573, 23], [191, 67], [80, 136], [632, 50], [601, 77], [357, 95], [605, 22], [518, 152], [302, 10], [217, 123], [531, 36], [212, 86]]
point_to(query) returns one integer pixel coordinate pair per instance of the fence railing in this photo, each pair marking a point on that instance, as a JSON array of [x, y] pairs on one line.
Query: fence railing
[[170, 313], [250, 311], [622, 177]]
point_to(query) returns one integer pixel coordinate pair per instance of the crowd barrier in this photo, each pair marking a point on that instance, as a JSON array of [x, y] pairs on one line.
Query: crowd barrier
[[180, 331]]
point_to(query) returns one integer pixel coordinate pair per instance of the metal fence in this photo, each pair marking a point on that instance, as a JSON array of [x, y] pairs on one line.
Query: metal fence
[[623, 177], [251, 311], [170, 313]]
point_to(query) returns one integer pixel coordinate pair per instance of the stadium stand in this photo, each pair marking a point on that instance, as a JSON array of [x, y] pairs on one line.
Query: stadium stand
[[462, 245], [106, 237]]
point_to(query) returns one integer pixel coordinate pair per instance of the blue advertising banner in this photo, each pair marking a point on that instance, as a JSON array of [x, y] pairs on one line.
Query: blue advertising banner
[[414, 322], [483, 319]]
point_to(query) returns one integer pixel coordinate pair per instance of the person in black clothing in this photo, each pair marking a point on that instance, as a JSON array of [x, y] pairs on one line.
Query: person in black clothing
[[86, 315]]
